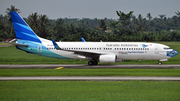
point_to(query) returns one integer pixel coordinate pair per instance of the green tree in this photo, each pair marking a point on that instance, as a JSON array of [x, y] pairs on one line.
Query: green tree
[[124, 17], [33, 21], [178, 13], [134, 23], [175, 22], [149, 17], [3, 29], [83, 28], [8, 10], [140, 20], [43, 26], [162, 21], [102, 26], [114, 25], [60, 29]]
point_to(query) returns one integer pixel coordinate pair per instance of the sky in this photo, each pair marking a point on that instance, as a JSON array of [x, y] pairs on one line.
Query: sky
[[92, 8]]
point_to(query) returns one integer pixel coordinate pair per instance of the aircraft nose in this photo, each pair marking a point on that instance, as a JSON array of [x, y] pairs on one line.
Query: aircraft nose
[[172, 53], [176, 53]]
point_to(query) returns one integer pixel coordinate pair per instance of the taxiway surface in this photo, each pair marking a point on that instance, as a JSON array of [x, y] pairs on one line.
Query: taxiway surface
[[91, 78], [77, 66]]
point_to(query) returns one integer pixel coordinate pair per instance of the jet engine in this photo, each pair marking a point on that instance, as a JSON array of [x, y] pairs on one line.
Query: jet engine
[[108, 58]]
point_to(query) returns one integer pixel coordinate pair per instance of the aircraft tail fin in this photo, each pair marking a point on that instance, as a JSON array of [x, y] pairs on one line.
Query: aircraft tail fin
[[22, 30]]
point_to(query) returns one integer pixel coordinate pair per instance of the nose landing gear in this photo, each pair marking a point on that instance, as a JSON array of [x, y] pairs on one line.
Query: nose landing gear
[[160, 63]]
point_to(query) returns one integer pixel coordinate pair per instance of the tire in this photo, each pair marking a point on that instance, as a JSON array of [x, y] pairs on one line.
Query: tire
[[95, 62], [160, 63], [90, 63]]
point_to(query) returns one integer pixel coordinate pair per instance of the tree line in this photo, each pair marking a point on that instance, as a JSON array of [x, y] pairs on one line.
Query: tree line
[[127, 28]]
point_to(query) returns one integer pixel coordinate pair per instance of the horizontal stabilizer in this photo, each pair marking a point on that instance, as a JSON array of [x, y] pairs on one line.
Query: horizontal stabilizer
[[19, 44]]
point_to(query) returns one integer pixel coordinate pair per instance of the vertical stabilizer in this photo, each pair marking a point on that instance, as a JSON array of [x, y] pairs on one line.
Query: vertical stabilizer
[[22, 30]]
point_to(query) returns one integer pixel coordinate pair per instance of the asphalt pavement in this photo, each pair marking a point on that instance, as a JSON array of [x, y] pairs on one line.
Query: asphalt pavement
[[82, 66], [91, 78]]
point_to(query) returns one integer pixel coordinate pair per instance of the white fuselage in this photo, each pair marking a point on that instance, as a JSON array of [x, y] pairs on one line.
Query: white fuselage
[[123, 50]]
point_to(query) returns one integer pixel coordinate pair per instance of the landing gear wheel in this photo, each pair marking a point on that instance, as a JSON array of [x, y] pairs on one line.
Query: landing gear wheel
[[95, 62], [90, 63], [160, 63]]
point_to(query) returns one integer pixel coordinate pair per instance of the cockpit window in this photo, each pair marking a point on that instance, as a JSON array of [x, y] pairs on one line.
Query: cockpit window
[[167, 48]]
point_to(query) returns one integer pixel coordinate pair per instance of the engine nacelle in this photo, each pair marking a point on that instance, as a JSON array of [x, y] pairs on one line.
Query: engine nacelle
[[108, 58]]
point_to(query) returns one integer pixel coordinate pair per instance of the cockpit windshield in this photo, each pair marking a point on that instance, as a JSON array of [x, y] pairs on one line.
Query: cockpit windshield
[[167, 48]]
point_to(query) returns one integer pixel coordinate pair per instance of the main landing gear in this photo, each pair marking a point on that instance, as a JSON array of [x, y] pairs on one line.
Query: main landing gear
[[92, 62]]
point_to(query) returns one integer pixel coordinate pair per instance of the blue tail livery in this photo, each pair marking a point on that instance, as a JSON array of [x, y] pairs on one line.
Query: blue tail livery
[[83, 39]]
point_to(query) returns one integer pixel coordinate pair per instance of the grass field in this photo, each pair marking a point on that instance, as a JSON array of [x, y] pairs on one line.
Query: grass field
[[85, 90], [90, 72], [11, 55], [89, 91]]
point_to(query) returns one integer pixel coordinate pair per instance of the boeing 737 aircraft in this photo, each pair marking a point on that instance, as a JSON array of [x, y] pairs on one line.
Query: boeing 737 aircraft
[[104, 52]]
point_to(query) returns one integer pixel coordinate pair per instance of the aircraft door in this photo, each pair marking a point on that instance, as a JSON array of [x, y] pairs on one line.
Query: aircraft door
[[156, 48]]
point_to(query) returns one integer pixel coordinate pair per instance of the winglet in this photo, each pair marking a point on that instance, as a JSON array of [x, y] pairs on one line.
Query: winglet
[[55, 44], [83, 39]]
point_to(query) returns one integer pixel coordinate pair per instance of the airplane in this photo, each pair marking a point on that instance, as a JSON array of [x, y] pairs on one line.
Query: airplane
[[103, 52]]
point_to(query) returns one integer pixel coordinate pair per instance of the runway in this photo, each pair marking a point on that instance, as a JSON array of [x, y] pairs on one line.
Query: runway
[[91, 78], [77, 66]]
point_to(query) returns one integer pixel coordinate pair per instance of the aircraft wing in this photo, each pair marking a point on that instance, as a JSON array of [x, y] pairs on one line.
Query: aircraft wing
[[84, 53]]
